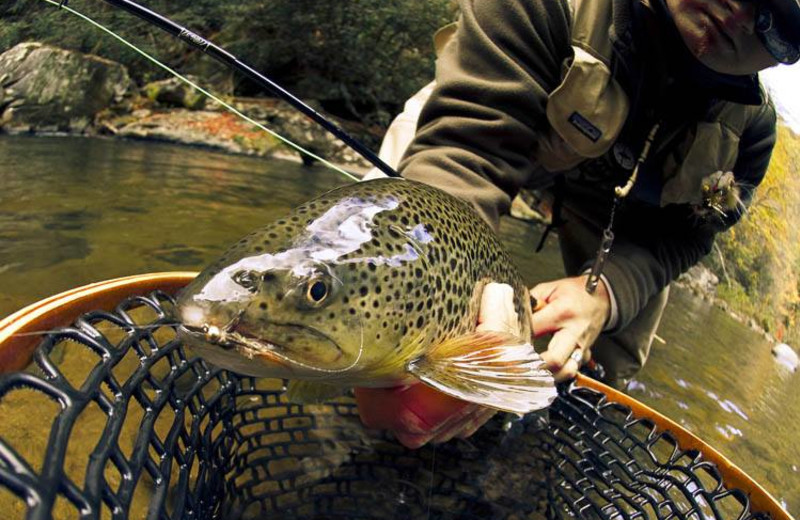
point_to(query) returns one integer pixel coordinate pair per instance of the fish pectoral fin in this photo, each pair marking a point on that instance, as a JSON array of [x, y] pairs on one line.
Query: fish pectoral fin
[[311, 392], [494, 369]]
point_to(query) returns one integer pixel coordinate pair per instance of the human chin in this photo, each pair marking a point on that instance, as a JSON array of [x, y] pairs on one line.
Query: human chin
[[752, 58]]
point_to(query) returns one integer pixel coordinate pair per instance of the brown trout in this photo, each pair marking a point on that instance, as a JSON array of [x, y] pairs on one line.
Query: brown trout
[[374, 284]]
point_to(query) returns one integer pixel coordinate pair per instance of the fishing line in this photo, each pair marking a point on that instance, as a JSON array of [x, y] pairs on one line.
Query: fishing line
[[104, 328], [430, 489], [189, 82]]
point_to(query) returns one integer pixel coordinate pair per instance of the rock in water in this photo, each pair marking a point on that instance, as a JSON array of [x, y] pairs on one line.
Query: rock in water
[[173, 92], [49, 89], [786, 356]]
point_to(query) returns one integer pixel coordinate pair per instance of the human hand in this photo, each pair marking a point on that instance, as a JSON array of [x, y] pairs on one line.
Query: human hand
[[418, 414], [575, 318]]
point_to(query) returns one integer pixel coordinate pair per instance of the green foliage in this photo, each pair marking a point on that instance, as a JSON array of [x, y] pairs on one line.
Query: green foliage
[[361, 58], [760, 266], [369, 54]]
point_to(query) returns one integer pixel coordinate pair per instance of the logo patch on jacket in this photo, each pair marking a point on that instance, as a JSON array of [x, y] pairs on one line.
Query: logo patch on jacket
[[585, 127]]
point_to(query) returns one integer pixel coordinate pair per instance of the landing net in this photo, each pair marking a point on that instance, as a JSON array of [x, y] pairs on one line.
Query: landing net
[[118, 421]]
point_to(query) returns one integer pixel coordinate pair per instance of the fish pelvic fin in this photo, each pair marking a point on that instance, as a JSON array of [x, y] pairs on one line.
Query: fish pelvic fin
[[311, 392], [494, 369]]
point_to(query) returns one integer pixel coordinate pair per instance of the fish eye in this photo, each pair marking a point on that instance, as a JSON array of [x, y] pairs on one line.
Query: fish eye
[[317, 291], [246, 279]]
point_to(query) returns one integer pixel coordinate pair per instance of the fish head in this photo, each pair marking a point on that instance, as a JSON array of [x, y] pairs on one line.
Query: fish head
[[262, 319], [300, 298]]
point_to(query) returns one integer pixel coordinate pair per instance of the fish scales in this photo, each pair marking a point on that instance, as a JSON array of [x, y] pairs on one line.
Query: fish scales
[[351, 288]]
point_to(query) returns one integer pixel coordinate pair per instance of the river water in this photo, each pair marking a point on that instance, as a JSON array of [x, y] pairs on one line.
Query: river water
[[75, 211]]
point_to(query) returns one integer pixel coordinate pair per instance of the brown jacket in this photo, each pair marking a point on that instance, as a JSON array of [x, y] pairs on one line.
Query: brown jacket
[[482, 133]]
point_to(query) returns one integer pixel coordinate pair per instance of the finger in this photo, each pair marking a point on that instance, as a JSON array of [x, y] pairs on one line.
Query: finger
[[568, 372], [481, 419], [384, 408], [416, 409], [497, 310], [444, 433], [412, 441], [455, 427], [560, 348], [550, 318]]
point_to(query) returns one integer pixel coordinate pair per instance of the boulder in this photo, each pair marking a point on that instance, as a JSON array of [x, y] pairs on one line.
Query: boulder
[[786, 356], [49, 89], [173, 92], [700, 279]]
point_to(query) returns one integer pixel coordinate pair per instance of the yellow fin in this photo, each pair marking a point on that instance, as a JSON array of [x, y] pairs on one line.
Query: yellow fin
[[494, 369], [311, 392]]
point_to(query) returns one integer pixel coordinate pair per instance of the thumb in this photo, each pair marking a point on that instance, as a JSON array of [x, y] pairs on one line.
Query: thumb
[[497, 310]]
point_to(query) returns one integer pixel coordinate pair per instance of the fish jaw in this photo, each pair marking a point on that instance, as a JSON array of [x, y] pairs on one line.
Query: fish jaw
[[231, 351]]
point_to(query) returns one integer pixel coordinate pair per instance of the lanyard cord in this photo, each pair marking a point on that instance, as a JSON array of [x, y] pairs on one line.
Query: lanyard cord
[[620, 193]]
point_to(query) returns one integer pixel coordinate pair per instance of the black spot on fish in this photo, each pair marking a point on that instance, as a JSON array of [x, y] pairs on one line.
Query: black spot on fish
[[363, 290]]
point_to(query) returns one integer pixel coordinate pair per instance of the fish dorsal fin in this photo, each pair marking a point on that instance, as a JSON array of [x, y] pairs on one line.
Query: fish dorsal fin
[[311, 392], [494, 369]]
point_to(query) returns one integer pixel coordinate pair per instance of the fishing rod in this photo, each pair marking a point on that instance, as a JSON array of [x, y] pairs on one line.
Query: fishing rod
[[234, 63]]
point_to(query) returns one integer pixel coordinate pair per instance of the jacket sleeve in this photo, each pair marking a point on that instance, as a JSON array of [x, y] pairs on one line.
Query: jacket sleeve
[[660, 244], [477, 132]]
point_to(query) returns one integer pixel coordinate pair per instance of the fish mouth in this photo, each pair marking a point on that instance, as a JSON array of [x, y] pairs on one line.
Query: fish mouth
[[229, 340], [235, 337]]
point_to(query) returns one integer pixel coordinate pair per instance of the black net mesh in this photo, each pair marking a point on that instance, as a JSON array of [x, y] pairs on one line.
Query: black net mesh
[[117, 421]]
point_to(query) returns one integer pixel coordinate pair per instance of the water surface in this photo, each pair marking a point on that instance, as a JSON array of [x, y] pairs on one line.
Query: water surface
[[75, 211]]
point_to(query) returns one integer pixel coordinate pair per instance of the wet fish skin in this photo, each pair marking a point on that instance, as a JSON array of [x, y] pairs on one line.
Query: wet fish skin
[[354, 288]]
